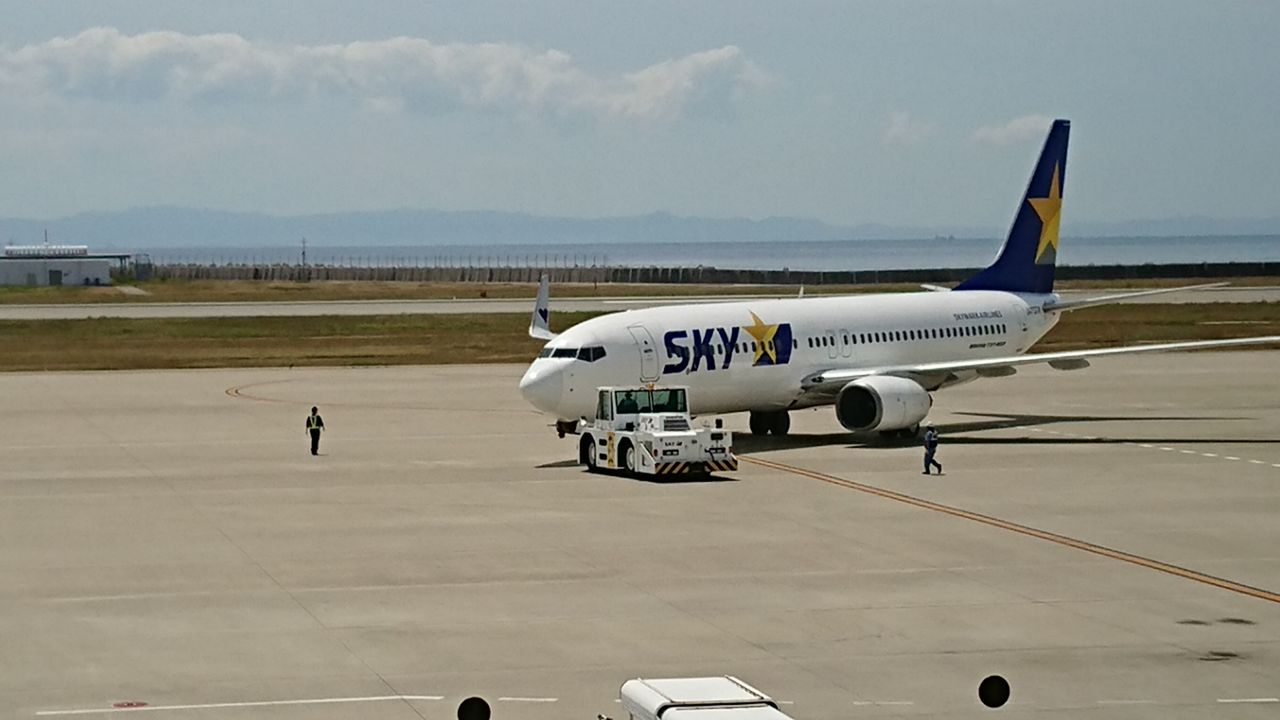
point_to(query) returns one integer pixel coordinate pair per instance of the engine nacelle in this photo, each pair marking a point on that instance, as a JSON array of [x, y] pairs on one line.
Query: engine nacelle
[[882, 403]]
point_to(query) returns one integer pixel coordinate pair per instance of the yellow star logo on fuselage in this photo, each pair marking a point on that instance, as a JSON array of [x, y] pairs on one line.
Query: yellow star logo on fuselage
[[1050, 210], [763, 335]]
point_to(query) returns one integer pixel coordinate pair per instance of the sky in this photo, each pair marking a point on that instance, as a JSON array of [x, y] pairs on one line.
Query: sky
[[899, 112]]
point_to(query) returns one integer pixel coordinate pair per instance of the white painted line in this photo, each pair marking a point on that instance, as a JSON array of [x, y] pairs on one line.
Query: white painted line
[[1249, 700], [1188, 452], [1230, 457], [528, 699], [785, 702], [1275, 464], [256, 703], [1258, 462], [1145, 445], [1167, 449]]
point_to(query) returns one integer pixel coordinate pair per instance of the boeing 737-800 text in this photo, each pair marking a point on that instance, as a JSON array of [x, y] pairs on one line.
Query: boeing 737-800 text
[[876, 358]]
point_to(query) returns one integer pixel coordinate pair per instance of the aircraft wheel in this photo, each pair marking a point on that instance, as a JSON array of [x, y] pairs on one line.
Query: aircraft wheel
[[759, 423]]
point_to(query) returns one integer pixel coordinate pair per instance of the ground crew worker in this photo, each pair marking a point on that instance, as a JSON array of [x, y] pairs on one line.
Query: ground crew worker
[[930, 448], [315, 424], [628, 404]]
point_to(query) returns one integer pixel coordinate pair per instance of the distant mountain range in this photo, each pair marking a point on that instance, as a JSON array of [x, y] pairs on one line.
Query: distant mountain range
[[178, 227]]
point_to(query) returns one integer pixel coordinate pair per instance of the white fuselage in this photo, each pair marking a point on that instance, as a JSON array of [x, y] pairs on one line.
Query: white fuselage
[[753, 355]]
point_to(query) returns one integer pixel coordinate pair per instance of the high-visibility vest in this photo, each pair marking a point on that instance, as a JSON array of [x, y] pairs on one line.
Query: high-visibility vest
[[313, 422]]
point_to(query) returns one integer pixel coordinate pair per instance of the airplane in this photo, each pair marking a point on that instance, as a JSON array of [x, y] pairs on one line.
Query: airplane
[[876, 358]]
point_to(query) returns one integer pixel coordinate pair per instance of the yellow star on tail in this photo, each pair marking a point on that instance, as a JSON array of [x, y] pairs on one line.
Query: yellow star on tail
[[1049, 209], [764, 338]]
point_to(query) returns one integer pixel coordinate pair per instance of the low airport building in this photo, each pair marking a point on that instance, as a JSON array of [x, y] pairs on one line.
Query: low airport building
[[57, 265]]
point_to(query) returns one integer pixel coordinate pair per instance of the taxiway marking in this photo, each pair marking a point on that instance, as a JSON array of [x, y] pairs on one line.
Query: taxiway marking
[[249, 704], [1063, 540], [1165, 448]]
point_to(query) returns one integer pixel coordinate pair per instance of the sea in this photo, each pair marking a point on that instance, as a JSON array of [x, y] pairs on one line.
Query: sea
[[939, 252]]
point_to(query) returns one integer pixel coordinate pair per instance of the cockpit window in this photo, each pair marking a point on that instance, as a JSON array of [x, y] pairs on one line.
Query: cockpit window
[[588, 354]]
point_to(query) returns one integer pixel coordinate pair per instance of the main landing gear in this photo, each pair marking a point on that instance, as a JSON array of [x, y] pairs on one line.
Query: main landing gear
[[901, 433], [777, 422]]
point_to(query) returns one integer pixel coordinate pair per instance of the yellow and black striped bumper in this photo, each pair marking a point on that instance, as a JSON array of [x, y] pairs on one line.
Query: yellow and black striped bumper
[[725, 464]]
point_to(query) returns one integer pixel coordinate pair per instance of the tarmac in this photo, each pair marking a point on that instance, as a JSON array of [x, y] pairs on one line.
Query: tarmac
[[302, 308], [1107, 540]]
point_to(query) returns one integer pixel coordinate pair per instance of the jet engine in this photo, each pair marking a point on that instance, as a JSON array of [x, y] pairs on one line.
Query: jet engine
[[882, 403]]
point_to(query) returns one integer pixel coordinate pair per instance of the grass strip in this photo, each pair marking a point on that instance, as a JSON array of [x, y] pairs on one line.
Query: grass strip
[[124, 344]]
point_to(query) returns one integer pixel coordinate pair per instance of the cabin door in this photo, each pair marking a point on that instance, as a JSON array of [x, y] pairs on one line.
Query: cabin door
[[648, 353]]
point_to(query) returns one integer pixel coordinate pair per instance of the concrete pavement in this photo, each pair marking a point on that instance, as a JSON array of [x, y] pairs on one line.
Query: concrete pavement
[[165, 538]]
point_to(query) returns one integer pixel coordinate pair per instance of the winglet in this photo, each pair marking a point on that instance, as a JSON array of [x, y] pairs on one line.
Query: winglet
[[540, 323]]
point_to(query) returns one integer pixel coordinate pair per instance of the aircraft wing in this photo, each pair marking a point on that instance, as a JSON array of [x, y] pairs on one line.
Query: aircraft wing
[[831, 380], [1106, 299]]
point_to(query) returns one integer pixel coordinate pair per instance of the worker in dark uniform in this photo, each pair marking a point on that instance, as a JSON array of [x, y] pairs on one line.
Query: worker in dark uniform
[[931, 448], [628, 404], [315, 424]]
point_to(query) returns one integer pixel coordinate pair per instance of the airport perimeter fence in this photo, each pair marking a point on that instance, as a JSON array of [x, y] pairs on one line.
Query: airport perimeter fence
[[687, 275]]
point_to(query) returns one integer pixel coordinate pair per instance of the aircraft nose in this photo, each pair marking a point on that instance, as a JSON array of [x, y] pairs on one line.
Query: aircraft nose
[[541, 386]]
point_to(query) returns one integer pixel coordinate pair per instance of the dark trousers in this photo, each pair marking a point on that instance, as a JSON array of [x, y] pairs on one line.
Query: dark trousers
[[929, 461], [315, 441]]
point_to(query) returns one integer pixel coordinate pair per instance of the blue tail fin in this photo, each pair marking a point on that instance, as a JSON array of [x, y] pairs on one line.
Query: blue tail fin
[[1026, 261]]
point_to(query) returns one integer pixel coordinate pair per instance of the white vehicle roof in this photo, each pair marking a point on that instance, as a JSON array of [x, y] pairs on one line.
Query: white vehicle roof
[[701, 698]]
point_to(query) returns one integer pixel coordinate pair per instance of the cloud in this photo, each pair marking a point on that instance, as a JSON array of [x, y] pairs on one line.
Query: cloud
[[414, 74], [1019, 129], [906, 130]]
